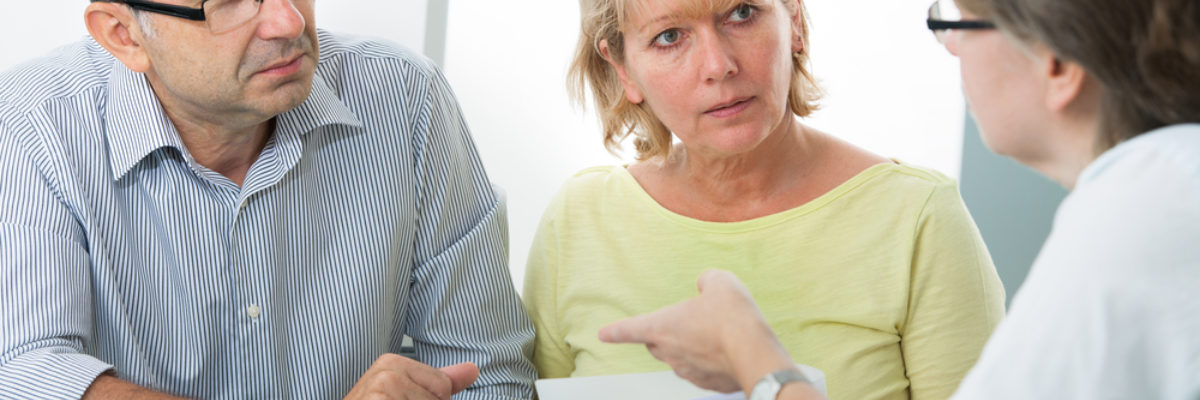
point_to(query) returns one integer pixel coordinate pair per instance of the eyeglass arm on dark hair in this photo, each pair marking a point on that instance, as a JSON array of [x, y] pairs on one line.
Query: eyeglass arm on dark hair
[[939, 25], [194, 14]]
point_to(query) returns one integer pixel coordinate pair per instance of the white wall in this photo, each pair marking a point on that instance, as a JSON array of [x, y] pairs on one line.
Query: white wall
[[401, 21], [31, 28], [891, 88], [508, 66]]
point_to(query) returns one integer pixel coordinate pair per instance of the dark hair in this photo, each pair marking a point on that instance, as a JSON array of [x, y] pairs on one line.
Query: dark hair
[[1144, 53]]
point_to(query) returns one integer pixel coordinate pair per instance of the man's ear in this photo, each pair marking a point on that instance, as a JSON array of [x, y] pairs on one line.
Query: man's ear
[[114, 27], [1065, 80], [632, 93]]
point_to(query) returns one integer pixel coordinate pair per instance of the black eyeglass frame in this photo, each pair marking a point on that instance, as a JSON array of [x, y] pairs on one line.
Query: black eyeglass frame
[[188, 13], [935, 24], [940, 25]]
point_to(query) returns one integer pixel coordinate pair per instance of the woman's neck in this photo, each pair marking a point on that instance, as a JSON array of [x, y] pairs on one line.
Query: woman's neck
[[775, 165], [784, 172], [1072, 147]]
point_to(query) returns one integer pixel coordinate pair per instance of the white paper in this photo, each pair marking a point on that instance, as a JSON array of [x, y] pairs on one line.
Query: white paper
[[730, 396], [663, 385]]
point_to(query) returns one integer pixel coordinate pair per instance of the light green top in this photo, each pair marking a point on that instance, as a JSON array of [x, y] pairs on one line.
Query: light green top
[[883, 283]]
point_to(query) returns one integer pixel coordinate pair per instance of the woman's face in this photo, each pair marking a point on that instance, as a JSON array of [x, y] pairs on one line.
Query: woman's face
[[1006, 97], [718, 79]]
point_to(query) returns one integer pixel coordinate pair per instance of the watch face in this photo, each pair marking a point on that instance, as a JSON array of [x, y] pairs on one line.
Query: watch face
[[766, 389]]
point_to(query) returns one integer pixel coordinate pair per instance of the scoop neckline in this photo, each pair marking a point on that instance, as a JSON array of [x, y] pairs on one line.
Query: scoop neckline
[[821, 201]]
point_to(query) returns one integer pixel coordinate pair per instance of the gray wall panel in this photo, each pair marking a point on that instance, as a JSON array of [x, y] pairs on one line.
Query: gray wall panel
[[1013, 205]]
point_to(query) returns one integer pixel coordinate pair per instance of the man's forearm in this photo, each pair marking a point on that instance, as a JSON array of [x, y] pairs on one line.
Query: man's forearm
[[110, 387]]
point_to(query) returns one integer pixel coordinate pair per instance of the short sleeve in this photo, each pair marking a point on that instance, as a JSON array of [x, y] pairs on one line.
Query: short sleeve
[[551, 354], [956, 299]]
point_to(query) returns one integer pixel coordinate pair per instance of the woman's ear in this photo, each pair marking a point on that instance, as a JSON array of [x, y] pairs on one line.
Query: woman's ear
[[632, 93], [110, 25], [1065, 80], [798, 28]]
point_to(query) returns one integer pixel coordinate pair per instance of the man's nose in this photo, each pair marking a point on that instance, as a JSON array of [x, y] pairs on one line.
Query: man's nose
[[279, 19]]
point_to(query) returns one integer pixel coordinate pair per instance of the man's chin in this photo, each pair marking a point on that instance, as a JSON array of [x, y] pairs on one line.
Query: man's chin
[[284, 97]]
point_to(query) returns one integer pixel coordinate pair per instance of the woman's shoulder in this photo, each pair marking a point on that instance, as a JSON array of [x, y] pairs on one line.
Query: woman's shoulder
[[595, 180], [864, 169], [899, 180], [592, 187], [918, 176]]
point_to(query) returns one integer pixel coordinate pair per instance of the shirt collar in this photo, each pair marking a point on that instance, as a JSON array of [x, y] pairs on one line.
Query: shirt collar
[[137, 125], [322, 108], [135, 122]]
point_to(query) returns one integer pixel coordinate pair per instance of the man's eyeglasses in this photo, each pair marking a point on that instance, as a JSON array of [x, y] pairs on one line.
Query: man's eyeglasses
[[944, 16], [220, 15]]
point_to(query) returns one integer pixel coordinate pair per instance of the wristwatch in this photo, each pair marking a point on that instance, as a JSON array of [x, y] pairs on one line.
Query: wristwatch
[[768, 388]]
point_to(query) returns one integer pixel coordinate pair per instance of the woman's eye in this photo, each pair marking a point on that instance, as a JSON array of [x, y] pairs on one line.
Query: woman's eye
[[667, 38], [742, 13]]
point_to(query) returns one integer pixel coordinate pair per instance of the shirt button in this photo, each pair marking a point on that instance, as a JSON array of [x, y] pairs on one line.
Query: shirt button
[[253, 311]]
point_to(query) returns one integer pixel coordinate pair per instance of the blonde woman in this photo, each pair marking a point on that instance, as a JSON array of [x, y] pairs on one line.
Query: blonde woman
[[868, 268], [1103, 96]]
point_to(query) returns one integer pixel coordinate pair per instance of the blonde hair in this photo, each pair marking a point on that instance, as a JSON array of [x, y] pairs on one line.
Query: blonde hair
[[620, 118]]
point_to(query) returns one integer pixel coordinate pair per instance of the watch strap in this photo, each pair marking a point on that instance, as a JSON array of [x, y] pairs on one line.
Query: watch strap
[[768, 388]]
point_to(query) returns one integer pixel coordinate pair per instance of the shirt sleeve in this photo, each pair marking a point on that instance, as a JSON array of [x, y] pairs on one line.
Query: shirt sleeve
[[45, 300], [1074, 337], [551, 355], [1032, 357], [463, 304], [1109, 309], [956, 299]]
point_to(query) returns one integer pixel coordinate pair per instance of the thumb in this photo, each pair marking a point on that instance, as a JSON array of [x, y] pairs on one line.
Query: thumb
[[713, 277], [462, 375]]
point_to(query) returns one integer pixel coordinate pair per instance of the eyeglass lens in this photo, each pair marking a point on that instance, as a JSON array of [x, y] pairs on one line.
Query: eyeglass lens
[[226, 15]]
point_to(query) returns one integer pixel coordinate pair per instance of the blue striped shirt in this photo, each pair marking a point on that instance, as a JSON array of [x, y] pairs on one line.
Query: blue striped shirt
[[367, 216]]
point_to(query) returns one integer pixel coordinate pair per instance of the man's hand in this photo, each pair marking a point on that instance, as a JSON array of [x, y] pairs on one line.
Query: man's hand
[[393, 377], [718, 340]]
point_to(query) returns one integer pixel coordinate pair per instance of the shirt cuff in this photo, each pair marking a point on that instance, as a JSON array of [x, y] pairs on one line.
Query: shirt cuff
[[49, 375], [484, 395]]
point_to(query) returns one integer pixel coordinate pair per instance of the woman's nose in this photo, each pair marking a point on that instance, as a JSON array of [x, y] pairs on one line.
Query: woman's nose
[[716, 57]]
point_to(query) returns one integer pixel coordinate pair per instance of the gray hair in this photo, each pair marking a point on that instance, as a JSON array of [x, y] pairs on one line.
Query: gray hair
[[143, 18], [145, 23]]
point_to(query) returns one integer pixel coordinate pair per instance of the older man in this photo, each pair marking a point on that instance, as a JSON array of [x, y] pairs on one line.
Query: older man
[[214, 199]]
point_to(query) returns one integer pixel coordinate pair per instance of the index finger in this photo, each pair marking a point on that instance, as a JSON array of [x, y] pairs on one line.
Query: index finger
[[629, 330]]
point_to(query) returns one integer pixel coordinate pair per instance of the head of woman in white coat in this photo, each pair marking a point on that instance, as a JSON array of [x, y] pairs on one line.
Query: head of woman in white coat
[[1062, 81]]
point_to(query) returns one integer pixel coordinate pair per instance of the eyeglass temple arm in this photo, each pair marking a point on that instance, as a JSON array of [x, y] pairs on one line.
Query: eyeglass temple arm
[[939, 25], [194, 14]]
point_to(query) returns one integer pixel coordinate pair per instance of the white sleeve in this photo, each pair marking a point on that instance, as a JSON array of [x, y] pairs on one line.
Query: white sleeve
[[1111, 308], [1047, 348], [1085, 339]]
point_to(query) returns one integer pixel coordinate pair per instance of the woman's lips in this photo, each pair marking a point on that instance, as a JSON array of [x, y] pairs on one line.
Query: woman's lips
[[729, 109]]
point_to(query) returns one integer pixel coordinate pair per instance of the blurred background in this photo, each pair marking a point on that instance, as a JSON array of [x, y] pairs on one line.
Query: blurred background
[[891, 88]]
